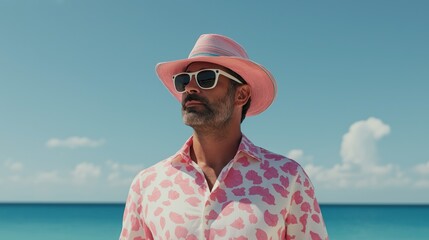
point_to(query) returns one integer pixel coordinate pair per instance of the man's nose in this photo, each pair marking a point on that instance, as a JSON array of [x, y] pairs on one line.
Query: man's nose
[[192, 86]]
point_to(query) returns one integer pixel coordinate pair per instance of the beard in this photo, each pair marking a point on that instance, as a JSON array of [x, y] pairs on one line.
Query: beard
[[209, 115]]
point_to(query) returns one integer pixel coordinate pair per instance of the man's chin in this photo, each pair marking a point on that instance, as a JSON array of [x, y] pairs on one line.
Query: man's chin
[[193, 118]]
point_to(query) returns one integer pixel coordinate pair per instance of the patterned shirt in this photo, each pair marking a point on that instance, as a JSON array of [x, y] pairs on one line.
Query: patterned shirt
[[258, 195]]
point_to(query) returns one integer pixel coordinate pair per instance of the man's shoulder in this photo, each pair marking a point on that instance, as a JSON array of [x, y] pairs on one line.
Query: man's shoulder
[[271, 158], [262, 153], [265, 154], [155, 168]]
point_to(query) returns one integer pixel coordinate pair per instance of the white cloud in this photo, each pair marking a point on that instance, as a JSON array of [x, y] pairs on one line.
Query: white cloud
[[338, 176], [422, 183], [295, 154], [13, 166], [125, 167], [345, 176], [422, 169], [359, 143], [74, 142], [116, 174], [122, 174], [299, 156], [84, 172], [360, 166], [15, 179], [52, 177]]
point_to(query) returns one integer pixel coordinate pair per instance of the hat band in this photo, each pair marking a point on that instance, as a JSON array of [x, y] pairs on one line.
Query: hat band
[[204, 54]]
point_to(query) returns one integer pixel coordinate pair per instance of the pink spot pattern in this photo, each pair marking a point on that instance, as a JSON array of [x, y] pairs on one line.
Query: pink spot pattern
[[259, 195]]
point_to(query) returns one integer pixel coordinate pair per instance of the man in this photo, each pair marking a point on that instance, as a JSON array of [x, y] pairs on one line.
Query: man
[[219, 185]]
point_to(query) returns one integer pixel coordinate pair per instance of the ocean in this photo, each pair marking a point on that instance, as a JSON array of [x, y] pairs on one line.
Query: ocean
[[103, 221]]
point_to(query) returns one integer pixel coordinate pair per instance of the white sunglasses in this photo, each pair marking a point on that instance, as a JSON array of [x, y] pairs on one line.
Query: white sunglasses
[[205, 78]]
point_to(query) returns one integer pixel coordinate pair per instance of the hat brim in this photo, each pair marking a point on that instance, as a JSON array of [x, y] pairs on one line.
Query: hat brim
[[262, 83]]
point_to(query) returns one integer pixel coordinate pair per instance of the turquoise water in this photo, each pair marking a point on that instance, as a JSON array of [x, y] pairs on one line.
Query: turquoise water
[[378, 222], [103, 221], [60, 221]]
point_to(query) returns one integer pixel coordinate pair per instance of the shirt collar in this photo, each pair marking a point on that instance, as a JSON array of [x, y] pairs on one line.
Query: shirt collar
[[246, 147]]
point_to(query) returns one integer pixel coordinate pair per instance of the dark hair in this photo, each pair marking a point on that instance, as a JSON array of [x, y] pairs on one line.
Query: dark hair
[[235, 85]]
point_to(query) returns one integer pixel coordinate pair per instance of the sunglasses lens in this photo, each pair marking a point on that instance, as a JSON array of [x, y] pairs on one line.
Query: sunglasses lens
[[206, 79], [180, 81]]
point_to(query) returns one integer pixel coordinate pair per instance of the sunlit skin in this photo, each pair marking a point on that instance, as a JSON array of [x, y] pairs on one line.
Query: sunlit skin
[[206, 115], [215, 138]]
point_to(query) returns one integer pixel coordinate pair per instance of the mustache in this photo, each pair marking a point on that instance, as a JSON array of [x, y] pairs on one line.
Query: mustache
[[193, 97]]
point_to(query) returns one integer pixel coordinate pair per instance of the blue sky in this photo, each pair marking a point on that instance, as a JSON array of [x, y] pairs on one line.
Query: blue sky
[[82, 111]]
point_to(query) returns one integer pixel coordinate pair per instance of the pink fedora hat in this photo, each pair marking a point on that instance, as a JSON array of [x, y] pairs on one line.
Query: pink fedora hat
[[221, 50]]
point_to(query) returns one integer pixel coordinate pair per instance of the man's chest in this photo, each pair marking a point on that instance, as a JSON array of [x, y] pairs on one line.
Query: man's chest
[[182, 206]]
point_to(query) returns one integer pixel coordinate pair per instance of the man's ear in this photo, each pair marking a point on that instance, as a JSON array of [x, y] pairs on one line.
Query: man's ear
[[243, 94]]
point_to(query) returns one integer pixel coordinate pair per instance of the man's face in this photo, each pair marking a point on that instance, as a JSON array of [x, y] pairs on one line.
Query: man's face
[[211, 108]]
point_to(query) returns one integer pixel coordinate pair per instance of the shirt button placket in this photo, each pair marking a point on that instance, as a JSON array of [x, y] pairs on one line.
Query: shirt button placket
[[204, 223]]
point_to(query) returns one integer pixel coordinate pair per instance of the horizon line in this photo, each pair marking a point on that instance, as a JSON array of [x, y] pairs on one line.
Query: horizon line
[[123, 203]]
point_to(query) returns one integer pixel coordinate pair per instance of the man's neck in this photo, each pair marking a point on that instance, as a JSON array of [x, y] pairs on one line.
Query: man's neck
[[215, 149]]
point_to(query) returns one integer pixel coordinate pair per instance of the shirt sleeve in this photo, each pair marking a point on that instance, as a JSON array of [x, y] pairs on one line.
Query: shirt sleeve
[[304, 218], [133, 224]]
